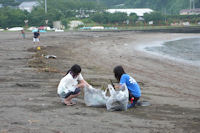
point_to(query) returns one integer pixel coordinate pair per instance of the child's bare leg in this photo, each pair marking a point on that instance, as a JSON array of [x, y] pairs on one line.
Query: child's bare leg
[[68, 101]]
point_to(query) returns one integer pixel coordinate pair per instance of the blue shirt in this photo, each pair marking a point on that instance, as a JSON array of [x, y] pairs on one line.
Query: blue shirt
[[131, 84]]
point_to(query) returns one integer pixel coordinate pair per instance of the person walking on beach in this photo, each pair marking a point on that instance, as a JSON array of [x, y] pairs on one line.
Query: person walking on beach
[[23, 34], [132, 85], [71, 85], [36, 37]]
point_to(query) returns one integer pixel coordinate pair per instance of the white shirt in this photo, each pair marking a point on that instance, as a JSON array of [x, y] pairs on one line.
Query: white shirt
[[68, 83]]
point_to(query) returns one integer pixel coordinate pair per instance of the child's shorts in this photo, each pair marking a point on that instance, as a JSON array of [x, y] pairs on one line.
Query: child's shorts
[[36, 39], [65, 95]]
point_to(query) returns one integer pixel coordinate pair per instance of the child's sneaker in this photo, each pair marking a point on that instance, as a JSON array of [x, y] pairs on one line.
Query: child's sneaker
[[130, 105]]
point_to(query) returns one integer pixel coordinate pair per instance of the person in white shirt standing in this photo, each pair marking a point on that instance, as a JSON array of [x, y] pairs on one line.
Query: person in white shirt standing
[[70, 85]]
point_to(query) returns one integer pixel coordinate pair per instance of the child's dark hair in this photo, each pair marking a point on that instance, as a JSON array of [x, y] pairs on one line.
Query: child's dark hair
[[118, 71], [74, 70]]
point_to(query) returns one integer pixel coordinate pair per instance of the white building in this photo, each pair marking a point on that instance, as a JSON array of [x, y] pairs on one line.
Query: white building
[[28, 6], [58, 25], [138, 11], [75, 23], [195, 11]]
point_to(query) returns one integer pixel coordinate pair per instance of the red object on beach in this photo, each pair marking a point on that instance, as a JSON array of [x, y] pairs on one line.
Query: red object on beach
[[132, 100]]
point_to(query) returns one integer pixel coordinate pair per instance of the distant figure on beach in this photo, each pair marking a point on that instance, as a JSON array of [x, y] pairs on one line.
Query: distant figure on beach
[[132, 85], [71, 84], [23, 34], [36, 37]]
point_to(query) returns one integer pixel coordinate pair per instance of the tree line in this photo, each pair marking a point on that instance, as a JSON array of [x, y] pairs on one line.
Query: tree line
[[66, 10], [164, 6]]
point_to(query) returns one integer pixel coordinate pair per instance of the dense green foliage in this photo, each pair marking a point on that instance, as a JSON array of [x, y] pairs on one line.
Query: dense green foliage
[[164, 6], [106, 18], [11, 17], [9, 2], [62, 10], [66, 10]]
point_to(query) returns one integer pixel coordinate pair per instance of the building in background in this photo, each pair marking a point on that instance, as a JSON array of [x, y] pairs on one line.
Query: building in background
[[28, 6], [58, 25], [190, 11]]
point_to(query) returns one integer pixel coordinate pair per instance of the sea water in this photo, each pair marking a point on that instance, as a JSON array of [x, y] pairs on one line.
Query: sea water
[[187, 50]]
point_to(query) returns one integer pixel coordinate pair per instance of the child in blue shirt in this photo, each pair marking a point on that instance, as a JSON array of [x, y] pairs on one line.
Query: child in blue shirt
[[132, 85]]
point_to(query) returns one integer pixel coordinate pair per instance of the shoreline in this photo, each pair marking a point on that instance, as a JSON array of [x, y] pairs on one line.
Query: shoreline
[[143, 48], [154, 29]]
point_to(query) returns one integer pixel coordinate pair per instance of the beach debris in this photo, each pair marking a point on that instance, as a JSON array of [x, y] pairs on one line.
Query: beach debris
[[50, 56], [33, 121], [143, 103], [38, 48], [16, 123], [49, 69], [30, 99], [28, 85]]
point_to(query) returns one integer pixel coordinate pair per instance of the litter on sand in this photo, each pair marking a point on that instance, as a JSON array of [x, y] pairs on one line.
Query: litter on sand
[[143, 103], [50, 56]]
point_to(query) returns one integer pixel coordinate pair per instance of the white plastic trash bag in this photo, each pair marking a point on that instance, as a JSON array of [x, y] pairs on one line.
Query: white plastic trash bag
[[118, 100], [95, 97]]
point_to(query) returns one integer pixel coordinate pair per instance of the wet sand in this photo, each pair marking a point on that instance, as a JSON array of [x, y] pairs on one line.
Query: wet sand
[[28, 84]]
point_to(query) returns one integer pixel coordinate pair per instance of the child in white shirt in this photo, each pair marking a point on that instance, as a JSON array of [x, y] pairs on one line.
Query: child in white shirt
[[70, 85]]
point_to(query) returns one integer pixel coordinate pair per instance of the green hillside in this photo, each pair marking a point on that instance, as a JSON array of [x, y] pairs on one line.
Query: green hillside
[[164, 6]]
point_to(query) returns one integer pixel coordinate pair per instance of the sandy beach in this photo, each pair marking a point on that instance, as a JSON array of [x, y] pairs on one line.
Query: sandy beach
[[28, 83]]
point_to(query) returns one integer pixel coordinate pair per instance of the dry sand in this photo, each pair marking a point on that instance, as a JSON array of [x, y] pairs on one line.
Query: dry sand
[[28, 84]]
